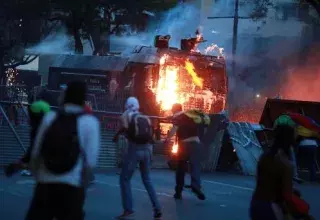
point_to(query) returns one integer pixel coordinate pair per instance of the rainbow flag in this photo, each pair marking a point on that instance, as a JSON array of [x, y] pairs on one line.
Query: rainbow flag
[[304, 125]]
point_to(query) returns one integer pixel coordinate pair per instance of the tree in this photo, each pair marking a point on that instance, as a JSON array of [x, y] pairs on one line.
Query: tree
[[261, 7], [15, 20], [113, 15], [96, 20]]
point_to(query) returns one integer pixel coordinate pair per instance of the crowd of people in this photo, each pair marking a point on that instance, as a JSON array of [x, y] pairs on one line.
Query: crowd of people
[[65, 145]]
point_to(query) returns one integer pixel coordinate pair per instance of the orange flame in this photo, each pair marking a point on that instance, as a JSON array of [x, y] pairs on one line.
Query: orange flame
[[167, 90], [175, 149], [195, 78], [171, 87]]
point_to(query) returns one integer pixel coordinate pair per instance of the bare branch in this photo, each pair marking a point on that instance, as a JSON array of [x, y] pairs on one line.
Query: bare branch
[[315, 4], [20, 63]]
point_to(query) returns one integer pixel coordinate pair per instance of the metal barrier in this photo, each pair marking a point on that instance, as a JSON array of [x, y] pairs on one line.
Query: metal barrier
[[16, 93], [4, 115], [107, 109], [100, 100]]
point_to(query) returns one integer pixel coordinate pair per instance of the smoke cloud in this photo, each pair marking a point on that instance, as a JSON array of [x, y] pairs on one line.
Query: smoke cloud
[[265, 51], [267, 58], [58, 42], [303, 82]]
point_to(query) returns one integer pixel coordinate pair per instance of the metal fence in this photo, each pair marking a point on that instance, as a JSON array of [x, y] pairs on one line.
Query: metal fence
[[15, 130], [14, 94]]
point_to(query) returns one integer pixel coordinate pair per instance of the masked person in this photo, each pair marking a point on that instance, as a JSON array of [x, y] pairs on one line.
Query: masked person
[[273, 197], [138, 130], [186, 129], [65, 150]]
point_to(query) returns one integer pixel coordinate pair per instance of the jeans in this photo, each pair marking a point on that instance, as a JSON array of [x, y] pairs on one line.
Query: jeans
[[137, 154], [189, 151]]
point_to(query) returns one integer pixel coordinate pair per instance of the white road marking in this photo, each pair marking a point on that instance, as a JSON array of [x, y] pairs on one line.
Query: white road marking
[[229, 185], [133, 188], [22, 182]]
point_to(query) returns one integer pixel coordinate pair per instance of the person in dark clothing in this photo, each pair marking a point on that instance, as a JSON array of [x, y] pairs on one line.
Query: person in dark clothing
[[274, 197], [189, 150], [65, 151]]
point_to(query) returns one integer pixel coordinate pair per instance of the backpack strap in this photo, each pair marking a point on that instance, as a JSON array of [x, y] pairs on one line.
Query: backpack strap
[[133, 116]]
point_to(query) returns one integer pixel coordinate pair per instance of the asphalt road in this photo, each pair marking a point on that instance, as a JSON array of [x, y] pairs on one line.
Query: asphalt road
[[228, 197]]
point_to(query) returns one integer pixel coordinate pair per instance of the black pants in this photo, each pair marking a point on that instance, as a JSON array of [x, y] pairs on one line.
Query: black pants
[[59, 201], [188, 151]]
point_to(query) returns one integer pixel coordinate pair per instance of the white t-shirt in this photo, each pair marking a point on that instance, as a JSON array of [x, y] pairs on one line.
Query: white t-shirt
[[308, 142], [89, 138]]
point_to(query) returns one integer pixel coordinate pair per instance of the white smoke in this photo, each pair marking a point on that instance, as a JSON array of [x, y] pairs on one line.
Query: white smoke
[[262, 49], [262, 46], [58, 42]]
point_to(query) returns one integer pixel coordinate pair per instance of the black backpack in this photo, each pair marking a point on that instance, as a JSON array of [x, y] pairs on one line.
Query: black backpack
[[60, 148], [140, 129]]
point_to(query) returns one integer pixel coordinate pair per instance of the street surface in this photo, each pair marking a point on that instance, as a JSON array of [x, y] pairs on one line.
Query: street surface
[[228, 197]]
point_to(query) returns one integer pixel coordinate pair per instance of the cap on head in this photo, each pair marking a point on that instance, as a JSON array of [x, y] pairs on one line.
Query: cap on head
[[132, 104], [75, 93], [177, 107], [284, 120]]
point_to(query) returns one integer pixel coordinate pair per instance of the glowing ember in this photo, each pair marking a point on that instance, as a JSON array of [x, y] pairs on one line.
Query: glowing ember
[[175, 148], [195, 78], [11, 76]]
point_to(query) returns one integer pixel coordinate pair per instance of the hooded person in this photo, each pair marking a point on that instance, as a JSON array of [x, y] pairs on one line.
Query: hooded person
[[138, 131]]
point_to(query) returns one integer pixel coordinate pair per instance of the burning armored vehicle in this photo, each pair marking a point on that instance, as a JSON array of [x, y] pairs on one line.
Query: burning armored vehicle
[[159, 76]]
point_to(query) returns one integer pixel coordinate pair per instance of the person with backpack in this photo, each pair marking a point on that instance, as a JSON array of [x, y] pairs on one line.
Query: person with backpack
[[139, 132], [65, 150], [186, 126]]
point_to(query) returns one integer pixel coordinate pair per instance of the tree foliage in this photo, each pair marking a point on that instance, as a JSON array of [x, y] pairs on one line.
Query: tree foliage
[[17, 16], [261, 7], [91, 19]]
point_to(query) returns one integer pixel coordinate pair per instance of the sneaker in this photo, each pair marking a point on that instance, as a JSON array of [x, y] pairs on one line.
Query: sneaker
[[157, 214], [199, 193], [177, 195], [125, 214], [25, 173]]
